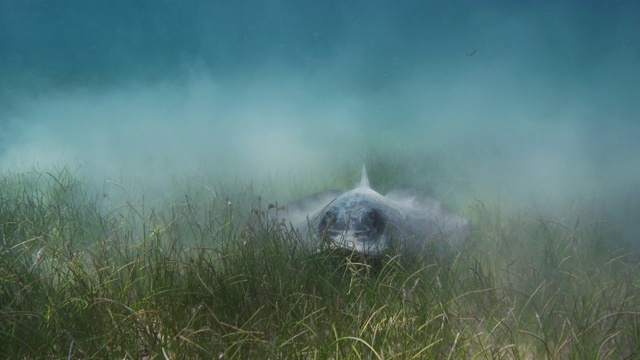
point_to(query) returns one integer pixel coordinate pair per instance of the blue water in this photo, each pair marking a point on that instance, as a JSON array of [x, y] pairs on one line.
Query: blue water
[[527, 101]]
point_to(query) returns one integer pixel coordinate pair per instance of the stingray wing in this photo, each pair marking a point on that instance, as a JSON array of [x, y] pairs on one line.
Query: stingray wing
[[303, 211], [427, 217]]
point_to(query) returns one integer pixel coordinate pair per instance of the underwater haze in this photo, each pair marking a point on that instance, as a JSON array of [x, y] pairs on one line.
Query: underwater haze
[[529, 102]]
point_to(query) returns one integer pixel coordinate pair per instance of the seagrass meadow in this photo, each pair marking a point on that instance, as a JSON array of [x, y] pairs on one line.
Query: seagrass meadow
[[204, 275]]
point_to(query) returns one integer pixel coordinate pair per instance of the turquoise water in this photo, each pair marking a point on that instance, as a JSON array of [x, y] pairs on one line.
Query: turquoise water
[[527, 102]]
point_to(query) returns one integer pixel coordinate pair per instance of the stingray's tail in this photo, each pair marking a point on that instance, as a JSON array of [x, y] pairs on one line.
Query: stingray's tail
[[364, 180]]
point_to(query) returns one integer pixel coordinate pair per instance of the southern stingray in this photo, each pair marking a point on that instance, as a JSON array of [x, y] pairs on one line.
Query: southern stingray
[[364, 221]]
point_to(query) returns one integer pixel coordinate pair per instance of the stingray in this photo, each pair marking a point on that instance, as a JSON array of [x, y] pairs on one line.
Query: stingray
[[364, 221]]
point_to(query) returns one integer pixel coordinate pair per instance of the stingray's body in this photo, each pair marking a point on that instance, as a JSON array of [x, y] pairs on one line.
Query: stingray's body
[[364, 221]]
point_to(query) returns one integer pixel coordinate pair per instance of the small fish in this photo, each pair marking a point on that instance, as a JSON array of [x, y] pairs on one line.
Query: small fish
[[39, 256]]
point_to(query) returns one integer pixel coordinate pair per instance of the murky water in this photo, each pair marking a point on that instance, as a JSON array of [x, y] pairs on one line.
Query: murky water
[[521, 103]]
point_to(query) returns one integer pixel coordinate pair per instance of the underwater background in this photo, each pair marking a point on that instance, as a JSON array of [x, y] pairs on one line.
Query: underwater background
[[527, 103]]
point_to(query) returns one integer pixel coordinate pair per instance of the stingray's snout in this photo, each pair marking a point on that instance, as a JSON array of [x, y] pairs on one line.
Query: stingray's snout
[[362, 226]]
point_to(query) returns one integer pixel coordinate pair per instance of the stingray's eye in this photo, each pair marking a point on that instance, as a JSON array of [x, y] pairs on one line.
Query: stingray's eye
[[329, 217], [327, 220], [375, 218]]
